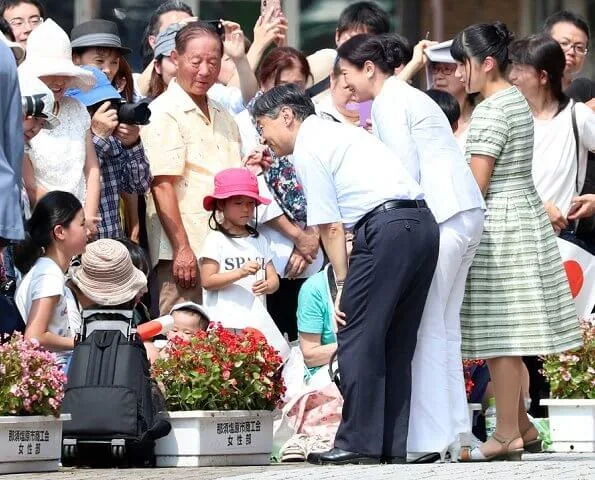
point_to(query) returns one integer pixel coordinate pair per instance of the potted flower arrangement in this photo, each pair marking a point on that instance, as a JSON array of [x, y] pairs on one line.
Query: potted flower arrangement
[[220, 389], [572, 385], [31, 391]]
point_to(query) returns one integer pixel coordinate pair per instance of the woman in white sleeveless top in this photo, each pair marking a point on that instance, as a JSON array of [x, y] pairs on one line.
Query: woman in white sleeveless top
[[63, 158]]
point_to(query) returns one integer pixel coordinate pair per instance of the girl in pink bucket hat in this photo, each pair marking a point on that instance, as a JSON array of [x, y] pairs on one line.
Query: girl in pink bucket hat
[[235, 264]]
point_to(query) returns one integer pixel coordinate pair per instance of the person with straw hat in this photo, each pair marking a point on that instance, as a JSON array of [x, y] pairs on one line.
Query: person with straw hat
[[107, 277], [63, 158]]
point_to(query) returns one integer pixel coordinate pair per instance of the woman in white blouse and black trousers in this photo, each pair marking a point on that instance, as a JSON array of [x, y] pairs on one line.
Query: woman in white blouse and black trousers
[[352, 180]]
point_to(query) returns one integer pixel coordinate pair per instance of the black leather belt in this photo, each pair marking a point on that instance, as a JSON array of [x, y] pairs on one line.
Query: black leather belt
[[390, 205]]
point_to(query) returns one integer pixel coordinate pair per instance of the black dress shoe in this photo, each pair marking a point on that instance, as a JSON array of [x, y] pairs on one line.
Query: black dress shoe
[[336, 456], [427, 458]]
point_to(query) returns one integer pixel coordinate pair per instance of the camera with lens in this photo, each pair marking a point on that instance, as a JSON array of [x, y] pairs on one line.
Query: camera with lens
[[132, 113], [33, 105]]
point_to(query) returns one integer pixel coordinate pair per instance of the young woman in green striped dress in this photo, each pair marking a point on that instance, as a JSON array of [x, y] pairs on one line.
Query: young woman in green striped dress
[[517, 300]]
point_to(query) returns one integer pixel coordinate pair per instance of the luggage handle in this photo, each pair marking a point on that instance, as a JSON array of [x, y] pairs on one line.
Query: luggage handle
[[108, 325], [126, 327]]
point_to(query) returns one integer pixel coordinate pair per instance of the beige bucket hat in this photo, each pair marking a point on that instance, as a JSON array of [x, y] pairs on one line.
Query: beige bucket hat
[[106, 274]]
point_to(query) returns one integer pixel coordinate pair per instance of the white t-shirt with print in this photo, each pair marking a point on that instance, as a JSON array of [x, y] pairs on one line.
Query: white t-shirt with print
[[46, 279], [234, 305]]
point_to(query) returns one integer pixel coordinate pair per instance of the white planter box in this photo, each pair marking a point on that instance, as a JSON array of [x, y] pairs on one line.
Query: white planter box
[[572, 424], [30, 444], [216, 438]]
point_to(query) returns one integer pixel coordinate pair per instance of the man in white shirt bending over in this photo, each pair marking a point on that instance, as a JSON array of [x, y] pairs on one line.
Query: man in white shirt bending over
[[352, 180]]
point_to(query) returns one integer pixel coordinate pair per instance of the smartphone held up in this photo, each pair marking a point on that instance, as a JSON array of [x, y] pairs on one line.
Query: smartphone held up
[[267, 5]]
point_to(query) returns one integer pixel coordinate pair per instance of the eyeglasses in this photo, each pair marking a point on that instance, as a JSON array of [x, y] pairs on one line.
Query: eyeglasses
[[19, 22], [444, 68], [578, 48]]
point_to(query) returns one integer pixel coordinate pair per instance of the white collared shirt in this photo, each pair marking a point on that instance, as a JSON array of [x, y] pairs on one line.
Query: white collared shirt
[[346, 172], [414, 126]]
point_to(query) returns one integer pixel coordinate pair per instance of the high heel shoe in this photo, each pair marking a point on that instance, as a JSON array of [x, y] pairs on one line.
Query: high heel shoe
[[532, 446], [474, 454]]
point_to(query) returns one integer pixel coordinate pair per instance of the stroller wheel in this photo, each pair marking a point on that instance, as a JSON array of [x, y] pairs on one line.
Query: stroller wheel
[[69, 454], [118, 451]]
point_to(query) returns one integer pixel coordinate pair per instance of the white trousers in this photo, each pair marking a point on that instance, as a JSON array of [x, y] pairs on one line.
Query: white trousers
[[438, 400]]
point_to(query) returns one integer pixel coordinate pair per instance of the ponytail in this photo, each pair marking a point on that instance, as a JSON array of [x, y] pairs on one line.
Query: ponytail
[[483, 40], [54, 209]]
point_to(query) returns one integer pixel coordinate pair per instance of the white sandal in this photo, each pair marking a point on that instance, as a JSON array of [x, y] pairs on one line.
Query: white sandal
[[474, 454]]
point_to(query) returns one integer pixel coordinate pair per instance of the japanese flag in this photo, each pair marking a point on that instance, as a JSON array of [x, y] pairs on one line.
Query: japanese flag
[[580, 270]]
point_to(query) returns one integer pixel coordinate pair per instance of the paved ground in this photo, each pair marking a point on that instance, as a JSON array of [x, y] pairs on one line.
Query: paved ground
[[534, 467]]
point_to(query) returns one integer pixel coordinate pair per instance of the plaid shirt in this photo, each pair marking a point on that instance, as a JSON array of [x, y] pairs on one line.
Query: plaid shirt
[[123, 170]]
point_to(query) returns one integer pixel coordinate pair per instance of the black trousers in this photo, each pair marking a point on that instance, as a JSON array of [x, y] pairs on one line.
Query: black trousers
[[391, 267]]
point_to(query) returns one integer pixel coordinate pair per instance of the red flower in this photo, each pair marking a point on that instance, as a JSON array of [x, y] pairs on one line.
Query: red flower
[[468, 366], [234, 372]]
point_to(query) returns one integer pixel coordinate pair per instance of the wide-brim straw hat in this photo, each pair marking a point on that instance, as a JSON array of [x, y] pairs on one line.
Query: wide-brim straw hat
[[49, 53], [106, 274], [17, 49]]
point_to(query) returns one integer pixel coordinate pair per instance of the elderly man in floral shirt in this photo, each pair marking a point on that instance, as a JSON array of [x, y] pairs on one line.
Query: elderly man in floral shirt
[[124, 167]]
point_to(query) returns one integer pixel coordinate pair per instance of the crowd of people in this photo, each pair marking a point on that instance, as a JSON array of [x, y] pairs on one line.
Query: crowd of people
[[324, 200]]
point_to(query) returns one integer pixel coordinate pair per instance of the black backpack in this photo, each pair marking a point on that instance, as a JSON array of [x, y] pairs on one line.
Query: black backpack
[[111, 397]]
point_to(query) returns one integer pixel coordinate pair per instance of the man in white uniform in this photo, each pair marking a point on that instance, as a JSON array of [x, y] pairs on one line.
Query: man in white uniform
[[352, 180]]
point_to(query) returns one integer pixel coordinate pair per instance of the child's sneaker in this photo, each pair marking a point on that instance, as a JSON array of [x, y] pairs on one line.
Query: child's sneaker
[[294, 449]]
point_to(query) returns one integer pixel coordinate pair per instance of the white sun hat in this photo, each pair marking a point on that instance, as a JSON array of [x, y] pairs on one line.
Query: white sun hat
[[17, 49], [49, 53], [33, 88]]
